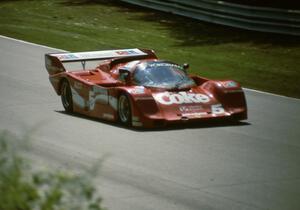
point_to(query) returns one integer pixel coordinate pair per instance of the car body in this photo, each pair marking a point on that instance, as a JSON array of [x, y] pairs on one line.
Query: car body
[[136, 88]]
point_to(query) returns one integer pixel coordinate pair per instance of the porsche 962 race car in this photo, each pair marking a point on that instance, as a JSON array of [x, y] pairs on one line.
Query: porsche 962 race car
[[134, 87]]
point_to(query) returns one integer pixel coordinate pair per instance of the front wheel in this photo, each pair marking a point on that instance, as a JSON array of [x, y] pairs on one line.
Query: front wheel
[[66, 96], [124, 110]]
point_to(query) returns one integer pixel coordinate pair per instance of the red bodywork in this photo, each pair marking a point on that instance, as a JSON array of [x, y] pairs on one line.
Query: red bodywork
[[95, 92]]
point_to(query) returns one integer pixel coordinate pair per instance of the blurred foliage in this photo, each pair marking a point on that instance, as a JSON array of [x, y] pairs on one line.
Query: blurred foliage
[[23, 189]]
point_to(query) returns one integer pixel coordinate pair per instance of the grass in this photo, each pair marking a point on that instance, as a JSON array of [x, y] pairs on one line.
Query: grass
[[261, 61]]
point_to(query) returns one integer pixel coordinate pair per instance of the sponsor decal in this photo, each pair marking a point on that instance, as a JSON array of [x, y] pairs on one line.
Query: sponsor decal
[[77, 99], [136, 121], [217, 109], [100, 90], [138, 90], [126, 52], [97, 94], [113, 102], [190, 108], [168, 98], [99, 54], [165, 65], [230, 84], [195, 111], [197, 114], [67, 56], [108, 116], [86, 55]]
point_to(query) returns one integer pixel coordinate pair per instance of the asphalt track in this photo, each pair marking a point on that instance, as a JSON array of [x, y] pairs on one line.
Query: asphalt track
[[252, 165]]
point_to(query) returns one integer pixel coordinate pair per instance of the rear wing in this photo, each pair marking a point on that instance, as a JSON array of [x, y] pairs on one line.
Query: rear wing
[[54, 61]]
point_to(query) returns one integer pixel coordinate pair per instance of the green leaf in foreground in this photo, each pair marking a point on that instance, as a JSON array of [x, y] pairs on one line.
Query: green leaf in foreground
[[23, 189]]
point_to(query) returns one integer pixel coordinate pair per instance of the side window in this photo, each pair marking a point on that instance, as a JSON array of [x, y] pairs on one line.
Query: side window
[[124, 74], [122, 77]]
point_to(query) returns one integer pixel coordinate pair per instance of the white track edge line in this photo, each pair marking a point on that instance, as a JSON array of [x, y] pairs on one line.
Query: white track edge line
[[30, 43], [44, 46], [272, 94]]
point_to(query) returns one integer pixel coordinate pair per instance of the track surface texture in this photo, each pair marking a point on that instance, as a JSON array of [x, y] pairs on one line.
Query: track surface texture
[[251, 165]]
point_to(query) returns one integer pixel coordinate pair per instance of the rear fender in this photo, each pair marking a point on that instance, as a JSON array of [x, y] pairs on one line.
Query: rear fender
[[56, 82], [57, 79]]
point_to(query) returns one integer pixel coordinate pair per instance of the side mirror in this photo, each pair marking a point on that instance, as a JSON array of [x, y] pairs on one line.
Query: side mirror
[[124, 75], [186, 66]]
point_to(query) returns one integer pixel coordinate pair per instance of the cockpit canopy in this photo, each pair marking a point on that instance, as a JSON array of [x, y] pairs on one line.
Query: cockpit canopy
[[161, 74]]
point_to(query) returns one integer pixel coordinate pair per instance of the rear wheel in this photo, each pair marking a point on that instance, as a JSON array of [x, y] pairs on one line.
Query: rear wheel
[[66, 96], [124, 110]]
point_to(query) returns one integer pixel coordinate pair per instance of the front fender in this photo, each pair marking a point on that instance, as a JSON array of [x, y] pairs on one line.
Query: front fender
[[229, 93]]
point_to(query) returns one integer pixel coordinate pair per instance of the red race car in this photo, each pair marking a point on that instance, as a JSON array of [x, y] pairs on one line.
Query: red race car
[[136, 88]]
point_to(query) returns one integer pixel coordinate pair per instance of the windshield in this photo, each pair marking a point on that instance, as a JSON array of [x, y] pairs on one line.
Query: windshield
[[162, 74]]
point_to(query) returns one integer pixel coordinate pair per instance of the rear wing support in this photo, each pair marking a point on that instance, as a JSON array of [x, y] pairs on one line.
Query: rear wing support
[[54, 61]]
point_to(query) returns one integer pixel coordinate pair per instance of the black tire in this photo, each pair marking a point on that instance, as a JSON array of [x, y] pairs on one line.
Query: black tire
[[66, 96], [124, 110]]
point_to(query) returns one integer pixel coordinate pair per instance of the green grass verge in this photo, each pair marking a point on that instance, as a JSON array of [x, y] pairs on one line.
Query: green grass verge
[[257, 60]]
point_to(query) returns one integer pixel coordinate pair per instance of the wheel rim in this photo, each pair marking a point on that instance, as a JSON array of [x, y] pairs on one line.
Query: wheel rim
[[124, 109]]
